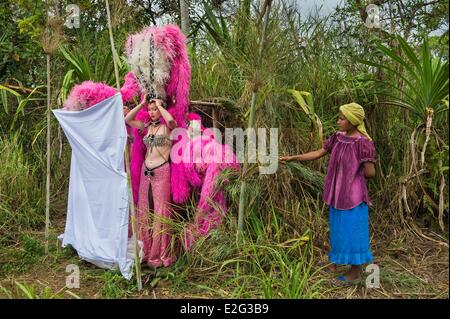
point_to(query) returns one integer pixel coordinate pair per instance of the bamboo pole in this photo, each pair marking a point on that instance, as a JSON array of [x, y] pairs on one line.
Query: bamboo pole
[[243, 190], [47, 50], [137, 262], [214, 118], [184, 17], [47, 186], [113, 47]]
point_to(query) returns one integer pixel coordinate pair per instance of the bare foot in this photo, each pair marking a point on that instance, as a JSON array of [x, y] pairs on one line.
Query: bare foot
[[332, 268], [354, 273]]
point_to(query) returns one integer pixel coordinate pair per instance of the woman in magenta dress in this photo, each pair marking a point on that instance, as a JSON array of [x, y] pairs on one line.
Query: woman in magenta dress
[[153, 209], [352, 158]]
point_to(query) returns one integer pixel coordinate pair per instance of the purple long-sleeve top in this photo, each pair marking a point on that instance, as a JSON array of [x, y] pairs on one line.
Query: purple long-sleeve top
[[345, 184]]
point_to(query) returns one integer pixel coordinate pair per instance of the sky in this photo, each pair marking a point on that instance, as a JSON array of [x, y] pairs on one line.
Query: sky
[[309, 6]]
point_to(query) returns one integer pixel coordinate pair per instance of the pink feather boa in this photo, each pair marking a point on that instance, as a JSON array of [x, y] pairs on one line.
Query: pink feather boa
[[88, 93], [210, 163]]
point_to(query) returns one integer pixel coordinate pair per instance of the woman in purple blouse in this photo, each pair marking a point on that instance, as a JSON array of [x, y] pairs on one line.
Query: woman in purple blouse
[[352, 158]]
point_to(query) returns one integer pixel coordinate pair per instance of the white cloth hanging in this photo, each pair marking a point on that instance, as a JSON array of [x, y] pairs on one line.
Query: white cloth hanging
[[97, 209]]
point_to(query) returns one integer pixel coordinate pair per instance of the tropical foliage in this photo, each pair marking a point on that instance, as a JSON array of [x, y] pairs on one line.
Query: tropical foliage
[[291, 73]]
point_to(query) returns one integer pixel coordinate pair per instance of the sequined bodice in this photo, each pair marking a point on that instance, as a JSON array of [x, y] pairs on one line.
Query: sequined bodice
[[153, 140]]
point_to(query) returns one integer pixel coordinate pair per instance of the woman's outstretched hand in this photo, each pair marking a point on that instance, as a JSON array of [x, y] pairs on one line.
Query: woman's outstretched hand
[[284, 159], [310, 156]]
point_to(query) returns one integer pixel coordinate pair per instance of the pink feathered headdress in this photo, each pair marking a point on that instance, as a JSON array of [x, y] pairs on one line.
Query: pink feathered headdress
[[171, 69]]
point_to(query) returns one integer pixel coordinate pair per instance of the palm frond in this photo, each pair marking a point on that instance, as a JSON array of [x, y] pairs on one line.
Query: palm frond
[[424, 78]]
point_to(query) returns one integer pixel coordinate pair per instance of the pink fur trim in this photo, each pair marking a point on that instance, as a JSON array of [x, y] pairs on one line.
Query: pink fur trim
[[130, 88], [87, 94]]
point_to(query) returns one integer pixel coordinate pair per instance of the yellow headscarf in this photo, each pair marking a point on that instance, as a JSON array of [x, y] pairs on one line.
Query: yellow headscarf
[[355, 114]]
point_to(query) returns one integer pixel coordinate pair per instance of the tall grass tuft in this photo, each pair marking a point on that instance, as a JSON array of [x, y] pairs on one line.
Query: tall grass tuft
[[21, 190]]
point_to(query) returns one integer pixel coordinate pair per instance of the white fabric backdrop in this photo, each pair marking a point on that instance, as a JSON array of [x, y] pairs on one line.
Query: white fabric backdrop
[[97, 209]]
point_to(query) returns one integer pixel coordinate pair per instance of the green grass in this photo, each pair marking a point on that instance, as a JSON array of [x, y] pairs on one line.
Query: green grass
[[115, 286], [18, 260], [403, 280], [268, 264], [21, 197], [25, 291]]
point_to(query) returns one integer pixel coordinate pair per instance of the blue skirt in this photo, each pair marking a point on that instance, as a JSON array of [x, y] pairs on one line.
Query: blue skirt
[[349, 236]]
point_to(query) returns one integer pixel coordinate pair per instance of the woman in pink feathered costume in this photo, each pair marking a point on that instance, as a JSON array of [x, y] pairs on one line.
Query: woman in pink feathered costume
[[185, 176], [173, 68], [154, 183]]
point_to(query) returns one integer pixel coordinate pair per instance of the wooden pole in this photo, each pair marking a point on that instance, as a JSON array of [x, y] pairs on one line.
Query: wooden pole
[[137, 262]]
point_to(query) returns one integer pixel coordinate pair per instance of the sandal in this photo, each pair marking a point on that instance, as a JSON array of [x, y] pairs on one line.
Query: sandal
[[343, 282]]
